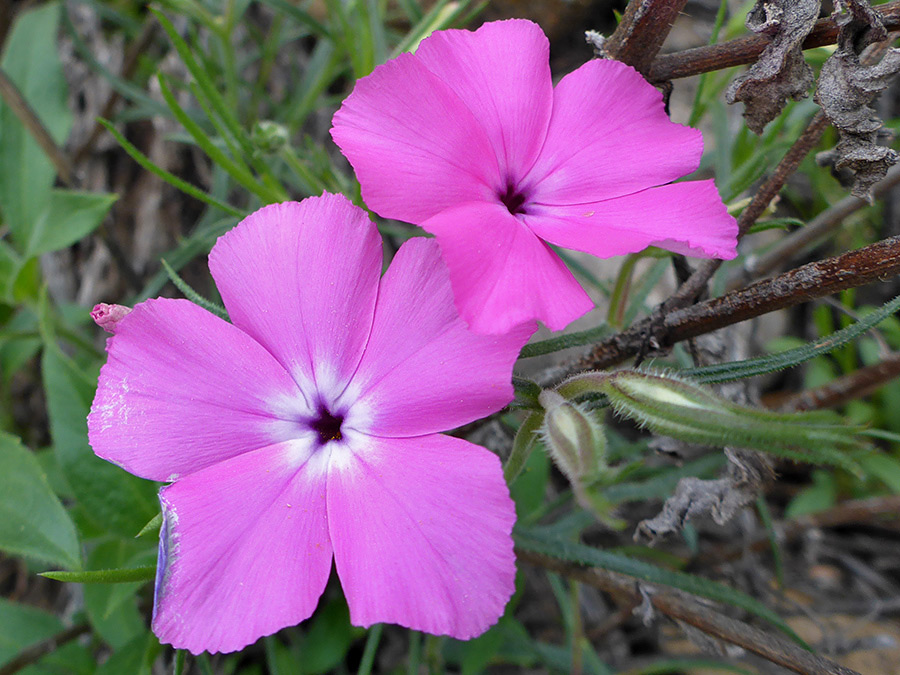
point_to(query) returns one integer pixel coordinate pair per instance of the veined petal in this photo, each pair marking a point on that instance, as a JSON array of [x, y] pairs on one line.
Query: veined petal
[[183, 389], [683, 217], [609, 136], [244, 550], [501, 72], [301, 279], [424, 371], [421, 533], [415, 146], [502, 274]]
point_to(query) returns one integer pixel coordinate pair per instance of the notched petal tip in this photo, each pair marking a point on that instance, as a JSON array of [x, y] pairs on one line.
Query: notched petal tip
[[108, 316]]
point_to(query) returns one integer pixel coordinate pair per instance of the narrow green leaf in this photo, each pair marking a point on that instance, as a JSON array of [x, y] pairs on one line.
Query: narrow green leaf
[[193, 295], [152, 526], [532, 540], [584, 337], [735, 370], [170, 178], [239, 173], [119, 576], [67, 217], [522, 445], [33, 523]]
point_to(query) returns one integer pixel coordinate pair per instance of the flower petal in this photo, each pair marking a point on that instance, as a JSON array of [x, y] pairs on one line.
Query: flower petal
[[421, 533], [183, 389], [502, 274], [609, 136], [684, 217], [415, 146], [501, 72], [424, 371], [301, 279], [244, 551]]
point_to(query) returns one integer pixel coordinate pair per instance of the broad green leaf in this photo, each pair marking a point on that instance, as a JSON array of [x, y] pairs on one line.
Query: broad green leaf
[[32, 521], [114, 500], [31, 61], [67, 217], [532, 540], [885, 468], [22, 627], [329, 637]]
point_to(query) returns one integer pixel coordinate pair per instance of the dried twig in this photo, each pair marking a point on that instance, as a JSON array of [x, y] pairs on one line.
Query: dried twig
[[642, 31], [685, 608], [878, 261], [846, 388], [11, 95], [744, 50], [35, 652]]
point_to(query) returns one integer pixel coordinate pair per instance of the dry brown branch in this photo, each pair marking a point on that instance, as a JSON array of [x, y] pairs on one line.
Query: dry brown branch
[[846, 388], [866, 511], [744, 50], [685, 608], [878, 261], [642, 31]]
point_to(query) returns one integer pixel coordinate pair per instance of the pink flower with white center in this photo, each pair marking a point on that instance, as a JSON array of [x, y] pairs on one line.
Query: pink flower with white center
[[468, 138], [308, 430]]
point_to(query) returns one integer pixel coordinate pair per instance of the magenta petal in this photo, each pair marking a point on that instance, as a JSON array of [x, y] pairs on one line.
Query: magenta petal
[[244, 551], [415, 146], [609, 136], [502, 274], [183, 389], [421, 533], [421, 356], [683, 217], [502, 74], [301, 279]]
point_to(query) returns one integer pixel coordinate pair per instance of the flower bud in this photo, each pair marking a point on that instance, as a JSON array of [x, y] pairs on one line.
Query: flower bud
[[573, 437], [108, 316], [269, 136]]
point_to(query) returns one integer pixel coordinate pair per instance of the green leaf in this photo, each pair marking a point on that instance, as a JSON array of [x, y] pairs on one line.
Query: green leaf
[[22, 627], [113, 499], [725, 372], [533, 540], [67, 217], [135, 658], [32, 521], [556, 344], [31, 61], [125, 575]]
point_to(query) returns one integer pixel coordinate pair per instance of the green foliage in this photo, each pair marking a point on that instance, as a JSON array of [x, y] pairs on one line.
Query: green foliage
[[33, 523]]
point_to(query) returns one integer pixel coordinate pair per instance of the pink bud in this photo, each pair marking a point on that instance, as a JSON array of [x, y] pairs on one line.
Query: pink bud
[[108, 316]]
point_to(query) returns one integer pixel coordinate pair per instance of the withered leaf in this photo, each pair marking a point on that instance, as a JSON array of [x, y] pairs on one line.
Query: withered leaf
[[847, 87], [780, 72]]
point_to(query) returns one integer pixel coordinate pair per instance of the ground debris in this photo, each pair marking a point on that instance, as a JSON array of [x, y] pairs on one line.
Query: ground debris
[[845, 89], [780, 72]]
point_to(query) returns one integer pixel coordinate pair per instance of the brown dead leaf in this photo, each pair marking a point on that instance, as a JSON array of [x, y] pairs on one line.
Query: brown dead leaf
[[845, 90], [780, 72]]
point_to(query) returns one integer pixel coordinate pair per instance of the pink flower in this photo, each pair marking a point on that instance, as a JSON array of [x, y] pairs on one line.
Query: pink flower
[[469, 139], [307, 430], [109, 316]]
